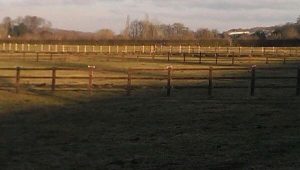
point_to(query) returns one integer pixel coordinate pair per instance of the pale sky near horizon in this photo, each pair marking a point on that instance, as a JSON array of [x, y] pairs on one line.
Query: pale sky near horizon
[[92, 15]]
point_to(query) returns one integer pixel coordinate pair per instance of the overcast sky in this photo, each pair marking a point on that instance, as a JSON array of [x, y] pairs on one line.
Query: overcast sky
[[92, 15]]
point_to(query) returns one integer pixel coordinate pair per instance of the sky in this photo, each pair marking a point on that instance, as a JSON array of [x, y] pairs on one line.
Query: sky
[[92, 15]]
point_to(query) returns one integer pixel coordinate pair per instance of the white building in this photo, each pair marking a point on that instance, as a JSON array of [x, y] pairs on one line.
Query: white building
[[239, 33]]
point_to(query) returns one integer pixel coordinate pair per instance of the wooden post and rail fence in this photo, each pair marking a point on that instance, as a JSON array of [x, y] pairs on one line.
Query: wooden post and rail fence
[[170, 76], [226, 56], [232, 58], [145, 49]]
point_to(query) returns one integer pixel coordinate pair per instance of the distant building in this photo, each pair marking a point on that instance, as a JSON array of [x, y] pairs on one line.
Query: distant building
[[239, 33]]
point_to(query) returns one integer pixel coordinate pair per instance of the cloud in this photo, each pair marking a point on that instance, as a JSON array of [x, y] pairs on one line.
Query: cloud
[[90, 15], [31, 3]]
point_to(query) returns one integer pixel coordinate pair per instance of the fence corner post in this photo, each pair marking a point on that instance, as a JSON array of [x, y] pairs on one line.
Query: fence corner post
[[253, 74], [298, 82], [210, 81], [129, 72], [91, 73], [169, 68], [53, 79], [18, 73]]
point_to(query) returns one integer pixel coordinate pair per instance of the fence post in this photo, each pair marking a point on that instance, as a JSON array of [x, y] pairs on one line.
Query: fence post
[[200, 57], [180, 49], [153, 56], [18, 73], [91, 73], [267, 59], [22, 47], [23, 55], [210, 81], [253, 72], [53, 78], [143, 49], [37, 57], [216, 55], [298, 82], [129, 82], [169, 56], [169, 81], [184, 56]]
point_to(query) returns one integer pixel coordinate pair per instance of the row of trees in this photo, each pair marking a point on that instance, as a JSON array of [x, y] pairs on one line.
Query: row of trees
[[288, 31], [281, 32], [23, 26], [36, 28], [147, 30], [32, 27]]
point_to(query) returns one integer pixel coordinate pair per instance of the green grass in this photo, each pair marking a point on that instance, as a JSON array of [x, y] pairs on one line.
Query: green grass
[[107, 130]]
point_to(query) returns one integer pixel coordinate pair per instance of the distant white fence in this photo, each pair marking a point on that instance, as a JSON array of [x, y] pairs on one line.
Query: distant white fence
[[144, 49]]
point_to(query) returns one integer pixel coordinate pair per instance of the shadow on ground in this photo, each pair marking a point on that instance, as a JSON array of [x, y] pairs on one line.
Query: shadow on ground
[[148, 131]]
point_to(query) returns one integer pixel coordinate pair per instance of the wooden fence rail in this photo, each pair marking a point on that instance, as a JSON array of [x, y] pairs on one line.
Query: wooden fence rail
[[170, 71], [193, 57]]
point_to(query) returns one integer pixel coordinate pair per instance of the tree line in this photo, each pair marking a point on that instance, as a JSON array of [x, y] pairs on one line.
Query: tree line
[[37, 28]]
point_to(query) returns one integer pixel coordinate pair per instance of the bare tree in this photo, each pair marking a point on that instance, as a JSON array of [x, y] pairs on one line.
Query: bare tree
[[6, 27], [125, 32], [34, 22], [205, 33], [105, 34], [287, 31], [136, 29]]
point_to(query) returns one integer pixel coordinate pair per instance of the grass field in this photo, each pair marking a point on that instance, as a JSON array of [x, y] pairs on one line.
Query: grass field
[[109, 130]]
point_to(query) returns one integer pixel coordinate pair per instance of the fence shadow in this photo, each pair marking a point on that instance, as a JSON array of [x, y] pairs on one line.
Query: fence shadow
[[151, 131]]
